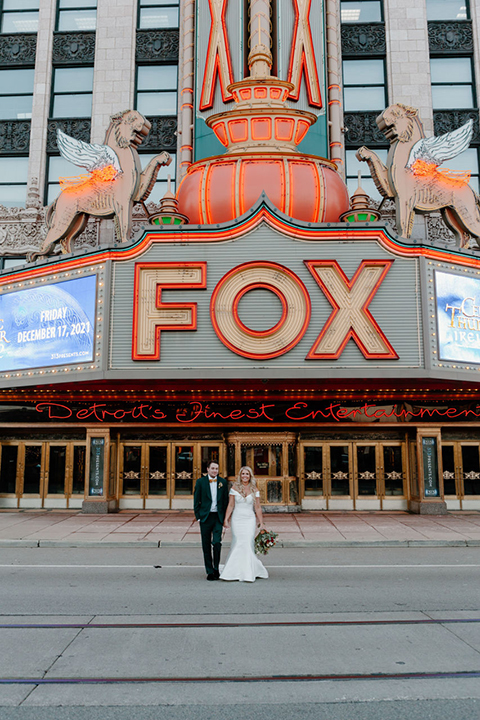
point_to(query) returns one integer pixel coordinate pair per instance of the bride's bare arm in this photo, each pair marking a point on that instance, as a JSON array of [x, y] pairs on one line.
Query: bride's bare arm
[[228, 514], [258, 512]]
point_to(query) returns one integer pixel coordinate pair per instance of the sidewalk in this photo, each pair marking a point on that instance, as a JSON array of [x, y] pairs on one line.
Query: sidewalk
[[178, 529]]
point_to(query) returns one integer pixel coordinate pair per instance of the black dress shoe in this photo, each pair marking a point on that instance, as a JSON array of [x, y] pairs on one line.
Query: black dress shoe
[[211, 576], [217, 574]]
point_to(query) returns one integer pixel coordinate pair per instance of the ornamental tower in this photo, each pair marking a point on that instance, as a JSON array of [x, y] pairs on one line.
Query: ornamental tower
[[260, 120]]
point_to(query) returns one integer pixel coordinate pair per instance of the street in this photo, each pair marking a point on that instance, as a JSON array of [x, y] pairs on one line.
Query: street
[[334, 633]]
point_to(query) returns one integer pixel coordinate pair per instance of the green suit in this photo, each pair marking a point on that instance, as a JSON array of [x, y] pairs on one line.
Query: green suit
[[211, 524]]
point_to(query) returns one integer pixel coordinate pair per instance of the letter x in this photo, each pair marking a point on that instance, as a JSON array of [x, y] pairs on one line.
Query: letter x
[[350, 317], [218, 57], [302, 56]]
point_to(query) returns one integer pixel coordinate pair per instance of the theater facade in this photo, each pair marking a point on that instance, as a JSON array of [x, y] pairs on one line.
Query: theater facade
[[340, 362], [258, 315]]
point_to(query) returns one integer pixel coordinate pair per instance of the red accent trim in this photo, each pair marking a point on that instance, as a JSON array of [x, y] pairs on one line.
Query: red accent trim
[[239, 269], [274, 328], [313, 355], [294, 95], [263, 215], [208, 103], [161, 305]]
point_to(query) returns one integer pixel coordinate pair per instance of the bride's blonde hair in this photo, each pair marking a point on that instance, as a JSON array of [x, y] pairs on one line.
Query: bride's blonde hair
[[238, 486]]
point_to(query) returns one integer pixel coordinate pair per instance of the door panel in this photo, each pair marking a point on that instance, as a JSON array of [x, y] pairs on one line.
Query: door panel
[[157, 470], [366, 470], [183, 469], [132, 469], [8, 469], [32, 469], [56, 471], [340, 469]]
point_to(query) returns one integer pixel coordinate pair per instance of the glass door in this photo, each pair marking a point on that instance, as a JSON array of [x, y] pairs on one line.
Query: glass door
[[163, 475], [461, 473], [339, 476]]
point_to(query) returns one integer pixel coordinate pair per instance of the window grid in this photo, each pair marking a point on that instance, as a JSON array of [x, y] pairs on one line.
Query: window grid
[[15, 84], [18, 17], [154, 95], [361, 101], [448, 10], [76, 15], [60, 95], [361, 11], [150, 15]]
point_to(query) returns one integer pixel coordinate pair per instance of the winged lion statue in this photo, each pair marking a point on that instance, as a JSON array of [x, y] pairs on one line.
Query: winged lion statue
[[412, 176], [115, 181]]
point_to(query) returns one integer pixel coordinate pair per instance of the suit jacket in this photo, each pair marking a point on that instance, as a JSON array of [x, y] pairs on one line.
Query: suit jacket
[[202, 498]]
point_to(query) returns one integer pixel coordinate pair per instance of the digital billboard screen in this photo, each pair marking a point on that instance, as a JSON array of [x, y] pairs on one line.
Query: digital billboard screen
[[458, 317], [48, 325]]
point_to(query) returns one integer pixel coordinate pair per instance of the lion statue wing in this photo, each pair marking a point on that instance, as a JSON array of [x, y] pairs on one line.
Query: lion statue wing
[[435, 149], [87, 155]]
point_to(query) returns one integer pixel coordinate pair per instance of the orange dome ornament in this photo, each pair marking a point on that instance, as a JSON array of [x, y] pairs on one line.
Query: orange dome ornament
[[261, 135]]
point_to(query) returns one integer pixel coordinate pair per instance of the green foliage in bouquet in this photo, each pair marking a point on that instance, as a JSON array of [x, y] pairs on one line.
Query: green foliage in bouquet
[[264, 541]]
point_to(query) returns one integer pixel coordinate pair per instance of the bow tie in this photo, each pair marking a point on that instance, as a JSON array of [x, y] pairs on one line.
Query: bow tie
[[214, 479]]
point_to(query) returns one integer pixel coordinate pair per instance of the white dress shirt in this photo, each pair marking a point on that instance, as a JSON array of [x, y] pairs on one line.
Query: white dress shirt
[[213, 490]]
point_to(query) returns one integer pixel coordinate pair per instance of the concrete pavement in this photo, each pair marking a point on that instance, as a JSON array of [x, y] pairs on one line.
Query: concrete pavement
[[63, 528]]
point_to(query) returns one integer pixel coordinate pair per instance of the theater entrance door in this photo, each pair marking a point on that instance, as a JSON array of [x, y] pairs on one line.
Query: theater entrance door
[[162, 474]]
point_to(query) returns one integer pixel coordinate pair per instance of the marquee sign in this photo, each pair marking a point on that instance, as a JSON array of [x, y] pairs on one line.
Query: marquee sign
[[350, 318]]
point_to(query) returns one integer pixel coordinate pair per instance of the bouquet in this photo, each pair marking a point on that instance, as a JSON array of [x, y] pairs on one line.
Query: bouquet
[[264, 541]]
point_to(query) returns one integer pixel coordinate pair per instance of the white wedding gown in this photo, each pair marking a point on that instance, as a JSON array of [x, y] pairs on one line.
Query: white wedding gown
[[242, 563]]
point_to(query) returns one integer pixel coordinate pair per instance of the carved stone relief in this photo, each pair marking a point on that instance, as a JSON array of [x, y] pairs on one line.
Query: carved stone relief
[[450, 36], [76, 127], [363, 38], [447, 120], [14, 136], [18, 49], [361, 128], [23, 230], [162, 135], [155, 45], [73, 47]]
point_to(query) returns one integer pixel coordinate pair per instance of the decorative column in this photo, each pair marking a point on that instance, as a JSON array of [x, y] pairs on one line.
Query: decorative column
[[114, 76], [427, 497], [185, 89], [41, 96], [408, 57], [335, 109], [98, 498]]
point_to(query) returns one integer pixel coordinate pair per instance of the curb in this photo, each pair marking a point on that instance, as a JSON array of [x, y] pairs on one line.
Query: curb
[[195, 544]]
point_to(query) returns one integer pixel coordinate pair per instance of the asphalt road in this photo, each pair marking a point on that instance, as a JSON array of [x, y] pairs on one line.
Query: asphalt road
[[333, 633]]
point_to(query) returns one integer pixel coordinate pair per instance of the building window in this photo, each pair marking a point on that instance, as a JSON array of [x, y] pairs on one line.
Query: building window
[[16, 94], [447, 10], [19, 16], [10, 262], [158, 14], [59, 168], [161, 185], [157, 90], [361, 11], [77, 15], [72, 92], [364, 85], [353, 167], [13, 181], [452, 83]]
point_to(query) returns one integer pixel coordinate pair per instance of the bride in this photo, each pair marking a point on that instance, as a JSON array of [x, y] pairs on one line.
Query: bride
[[242, 563]]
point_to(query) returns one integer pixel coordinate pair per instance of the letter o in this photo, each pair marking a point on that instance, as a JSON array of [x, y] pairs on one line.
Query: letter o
[[275, 341]]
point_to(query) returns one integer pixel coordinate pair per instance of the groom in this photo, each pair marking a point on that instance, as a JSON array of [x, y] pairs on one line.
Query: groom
[[210, 501]]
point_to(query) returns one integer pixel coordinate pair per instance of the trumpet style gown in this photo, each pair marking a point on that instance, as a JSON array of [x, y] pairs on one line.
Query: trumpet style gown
[[242, 563]]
